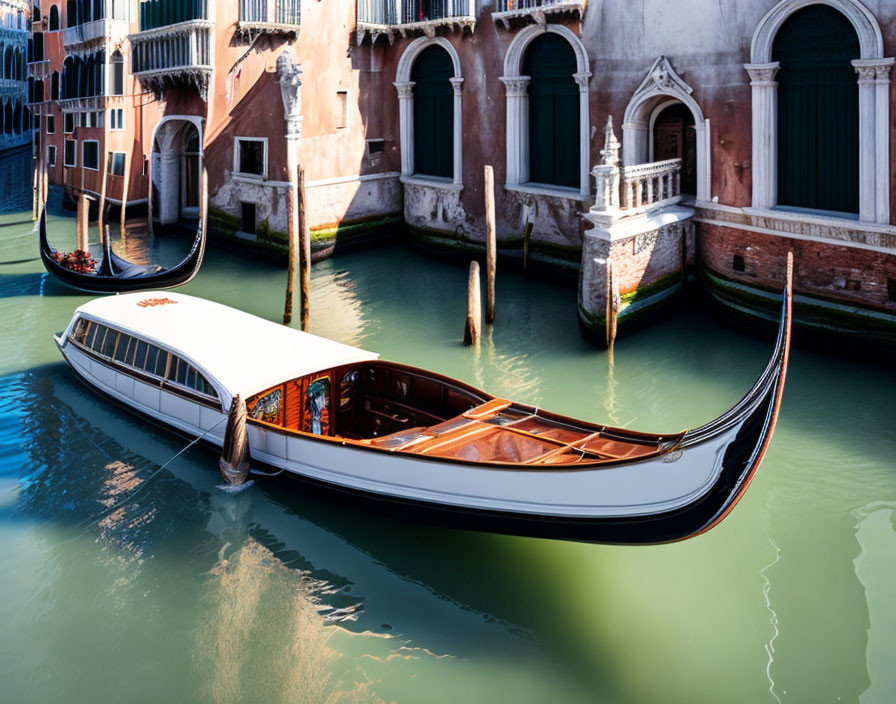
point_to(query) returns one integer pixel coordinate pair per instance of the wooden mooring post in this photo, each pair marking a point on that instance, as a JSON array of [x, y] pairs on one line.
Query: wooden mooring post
[[491, 245], [104, 176], [124, 196], [612, 306], [81, 223], [299, 253], [473, 327]]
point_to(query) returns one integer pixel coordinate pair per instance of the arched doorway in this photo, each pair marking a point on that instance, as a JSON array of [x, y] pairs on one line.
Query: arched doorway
[[550, 62], [176, 167], [674, 136], [818, 110], [433, 113]]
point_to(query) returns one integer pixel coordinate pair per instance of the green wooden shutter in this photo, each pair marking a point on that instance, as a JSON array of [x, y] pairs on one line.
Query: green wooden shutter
[[818, 111], [553, 112], [433, 113]]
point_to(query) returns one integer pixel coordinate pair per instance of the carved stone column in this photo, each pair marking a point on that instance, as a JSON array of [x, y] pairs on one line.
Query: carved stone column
[[517, 147], [765, 133], [584, 133], [406, 125], [874, 140], [457, 85], [289, 75]]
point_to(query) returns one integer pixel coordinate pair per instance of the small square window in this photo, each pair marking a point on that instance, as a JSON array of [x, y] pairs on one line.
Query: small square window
[[117, 159], [51, 155], [247, 218], [251, 155], [91, 155], [375, 146], [737, 263], [71, 152], [51, 124]]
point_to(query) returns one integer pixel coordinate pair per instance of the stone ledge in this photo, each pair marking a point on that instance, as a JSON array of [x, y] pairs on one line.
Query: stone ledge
[[804, 226], [538, 15], [427, 28]]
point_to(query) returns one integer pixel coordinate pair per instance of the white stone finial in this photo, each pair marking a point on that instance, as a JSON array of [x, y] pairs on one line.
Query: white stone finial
[[610, 152]]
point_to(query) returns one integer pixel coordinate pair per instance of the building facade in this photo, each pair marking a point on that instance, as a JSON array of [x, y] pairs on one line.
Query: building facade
[[15, 122], [629, 143]]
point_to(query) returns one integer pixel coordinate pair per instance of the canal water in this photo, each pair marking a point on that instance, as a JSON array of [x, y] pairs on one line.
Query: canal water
[[129, 576]]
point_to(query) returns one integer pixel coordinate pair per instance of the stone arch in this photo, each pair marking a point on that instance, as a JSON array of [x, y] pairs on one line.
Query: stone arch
[[515, 84], [169, 140], [874, 107], [660, 88], [405, 88], [871, 40]]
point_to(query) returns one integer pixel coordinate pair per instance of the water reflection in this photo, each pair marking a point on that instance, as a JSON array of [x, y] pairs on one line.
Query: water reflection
[[876, 568]]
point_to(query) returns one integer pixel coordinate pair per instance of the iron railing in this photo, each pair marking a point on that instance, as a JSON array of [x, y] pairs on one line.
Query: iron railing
[[160, 13], [270, 12], [399, 12]]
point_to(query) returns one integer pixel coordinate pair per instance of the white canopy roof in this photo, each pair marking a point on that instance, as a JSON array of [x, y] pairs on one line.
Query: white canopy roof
[[238, 352]]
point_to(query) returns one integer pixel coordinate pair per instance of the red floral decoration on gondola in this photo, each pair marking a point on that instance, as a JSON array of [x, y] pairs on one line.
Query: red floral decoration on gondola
[[79, 261]]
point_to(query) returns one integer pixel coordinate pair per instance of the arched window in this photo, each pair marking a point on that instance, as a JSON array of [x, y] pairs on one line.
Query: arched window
[[68, 79], [7, 63], [553, 112], [117, 73], [54, 18], [35, 13], [17, 118], [818, 111], [71, 13], [7, 127], [433, 113], [54, 86]]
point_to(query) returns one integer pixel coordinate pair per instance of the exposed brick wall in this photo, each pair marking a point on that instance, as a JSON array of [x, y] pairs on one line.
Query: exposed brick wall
[[847, 275]]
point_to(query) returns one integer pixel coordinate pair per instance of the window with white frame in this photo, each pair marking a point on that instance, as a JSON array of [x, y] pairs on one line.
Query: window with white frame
[[51, 155], [90, 155], [116, 118], [250, 156], [71, 153]]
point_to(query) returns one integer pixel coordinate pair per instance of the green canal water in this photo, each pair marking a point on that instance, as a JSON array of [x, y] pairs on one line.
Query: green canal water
[[121, 580]]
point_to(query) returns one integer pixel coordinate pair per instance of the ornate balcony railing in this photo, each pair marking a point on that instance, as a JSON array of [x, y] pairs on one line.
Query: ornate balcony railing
[[388, 17], [272, 16], [535, 10], [95, 103], [173, 54], [39, 70], [96, 31], [646, 185], [161, 13]]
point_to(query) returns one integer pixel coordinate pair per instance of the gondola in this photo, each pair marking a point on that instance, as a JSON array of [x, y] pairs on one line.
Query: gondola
[[411, 442], [117, 275]]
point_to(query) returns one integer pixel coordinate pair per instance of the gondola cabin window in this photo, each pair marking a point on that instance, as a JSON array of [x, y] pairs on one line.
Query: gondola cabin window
[[301, 404], [140, 355]]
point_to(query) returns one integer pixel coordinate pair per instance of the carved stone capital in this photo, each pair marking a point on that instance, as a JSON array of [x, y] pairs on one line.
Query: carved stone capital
[[763, 74], [873, 70], [289, 75], [457, 85], [515, 86], [405, 90], [582, 80]]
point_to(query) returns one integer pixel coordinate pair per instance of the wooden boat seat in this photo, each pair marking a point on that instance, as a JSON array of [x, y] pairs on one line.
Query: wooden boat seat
[[488, 409]]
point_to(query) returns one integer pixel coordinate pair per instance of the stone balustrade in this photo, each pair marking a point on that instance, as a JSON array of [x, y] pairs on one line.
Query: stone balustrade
[[634, 189], [273, 16], [39, 70], [97, 31], [174, 52]]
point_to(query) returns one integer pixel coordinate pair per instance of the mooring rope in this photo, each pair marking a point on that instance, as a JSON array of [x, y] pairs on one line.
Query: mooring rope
[[130, 497]]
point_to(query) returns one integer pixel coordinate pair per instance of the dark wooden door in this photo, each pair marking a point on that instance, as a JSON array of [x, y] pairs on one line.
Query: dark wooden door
[[433, 113], [818, 111], [553, 112]]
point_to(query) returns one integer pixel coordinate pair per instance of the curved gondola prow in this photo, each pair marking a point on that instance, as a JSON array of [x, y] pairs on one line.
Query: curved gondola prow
[[105, 268], [772, 376], [117, 281]]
